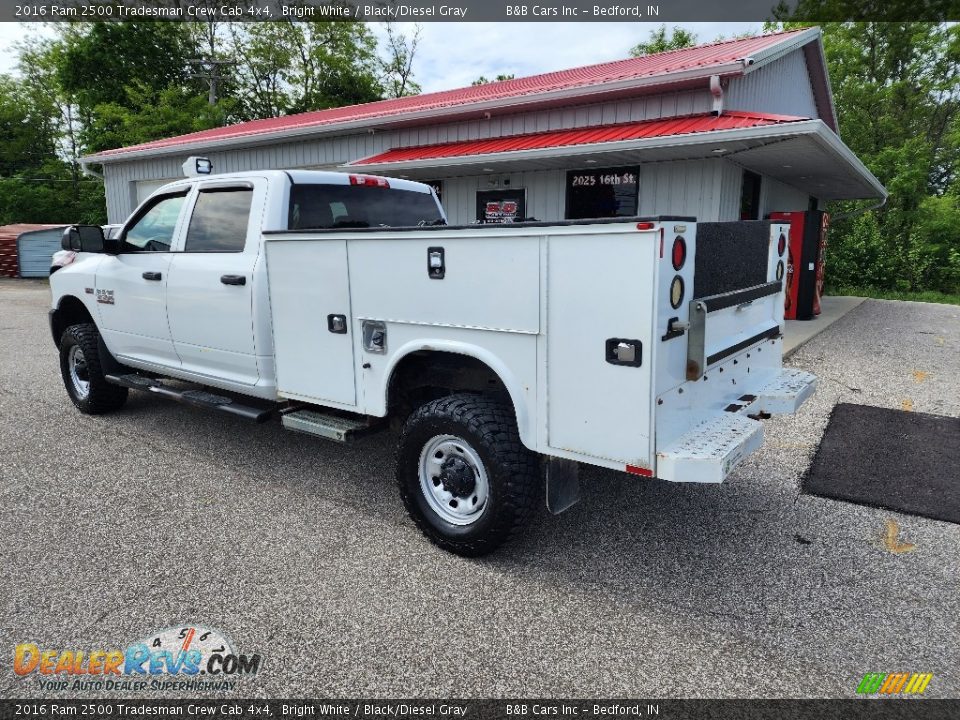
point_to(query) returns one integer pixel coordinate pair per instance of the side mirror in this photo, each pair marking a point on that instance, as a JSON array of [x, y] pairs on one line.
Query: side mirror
[[83, 238]]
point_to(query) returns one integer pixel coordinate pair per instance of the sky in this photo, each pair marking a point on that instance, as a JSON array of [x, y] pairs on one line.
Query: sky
[[451, 55]]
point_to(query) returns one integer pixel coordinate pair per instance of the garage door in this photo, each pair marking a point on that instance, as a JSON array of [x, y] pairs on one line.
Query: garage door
[[145, 187], [35, 250]]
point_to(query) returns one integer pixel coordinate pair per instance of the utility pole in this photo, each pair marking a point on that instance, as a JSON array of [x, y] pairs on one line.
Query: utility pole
[[213, 74]]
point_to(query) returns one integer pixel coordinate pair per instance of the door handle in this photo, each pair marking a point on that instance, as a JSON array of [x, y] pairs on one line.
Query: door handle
[[233, 279], [151, 275]]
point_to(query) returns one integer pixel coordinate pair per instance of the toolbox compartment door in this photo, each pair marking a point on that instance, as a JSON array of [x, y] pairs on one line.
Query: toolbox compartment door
[[309, 282], [599, 296]]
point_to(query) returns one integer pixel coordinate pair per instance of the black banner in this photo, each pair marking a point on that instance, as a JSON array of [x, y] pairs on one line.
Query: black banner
[[889, 709], [476, 10]]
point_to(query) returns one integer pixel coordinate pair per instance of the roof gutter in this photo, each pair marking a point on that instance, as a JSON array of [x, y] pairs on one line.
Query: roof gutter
[[291, 134]]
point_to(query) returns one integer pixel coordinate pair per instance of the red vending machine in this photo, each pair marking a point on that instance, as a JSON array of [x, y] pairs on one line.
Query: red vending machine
[[805, 256]]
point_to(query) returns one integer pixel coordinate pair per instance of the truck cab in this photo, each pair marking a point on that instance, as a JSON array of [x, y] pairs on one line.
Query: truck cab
[[184, 292]]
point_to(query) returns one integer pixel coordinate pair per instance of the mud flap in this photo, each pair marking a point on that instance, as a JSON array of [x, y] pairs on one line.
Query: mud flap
[[563, 484]]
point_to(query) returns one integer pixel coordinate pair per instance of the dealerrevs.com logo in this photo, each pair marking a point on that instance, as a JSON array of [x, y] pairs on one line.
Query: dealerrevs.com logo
[[188, 658]]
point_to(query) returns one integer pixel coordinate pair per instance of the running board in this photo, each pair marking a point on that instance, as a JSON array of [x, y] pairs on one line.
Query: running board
[[192, 396], [328, 425], [710, 451]]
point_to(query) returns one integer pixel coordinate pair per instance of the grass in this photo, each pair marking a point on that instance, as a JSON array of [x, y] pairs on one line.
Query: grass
[[930, 296]]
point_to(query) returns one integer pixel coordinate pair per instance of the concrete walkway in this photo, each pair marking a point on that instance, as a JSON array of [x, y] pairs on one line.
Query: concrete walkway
[[831, 309]]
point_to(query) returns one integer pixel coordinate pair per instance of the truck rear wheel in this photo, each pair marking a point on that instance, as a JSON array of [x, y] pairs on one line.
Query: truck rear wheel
[[465, 478], [82, 372]]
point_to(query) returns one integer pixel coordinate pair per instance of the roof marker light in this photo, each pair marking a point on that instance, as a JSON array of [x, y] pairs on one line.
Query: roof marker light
[[369, 181]]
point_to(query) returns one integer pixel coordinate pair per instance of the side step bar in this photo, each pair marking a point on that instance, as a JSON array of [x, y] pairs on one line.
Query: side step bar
[[193, 396], [329, 425]]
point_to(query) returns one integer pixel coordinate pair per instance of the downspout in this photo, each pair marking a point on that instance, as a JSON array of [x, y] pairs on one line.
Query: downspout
[[716, 89], [88, 172]]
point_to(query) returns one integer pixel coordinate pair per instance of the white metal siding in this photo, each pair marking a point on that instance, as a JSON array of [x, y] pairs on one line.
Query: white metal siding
[[686, 187], [731, 184], [781, 87], [777, 196]]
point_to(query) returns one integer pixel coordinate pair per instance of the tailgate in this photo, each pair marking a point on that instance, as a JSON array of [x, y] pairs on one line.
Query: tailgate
[[719, 364]]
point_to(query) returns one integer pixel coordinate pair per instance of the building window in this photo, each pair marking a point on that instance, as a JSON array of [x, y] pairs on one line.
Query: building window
[[607, 192], [750, 196], [501, 206]]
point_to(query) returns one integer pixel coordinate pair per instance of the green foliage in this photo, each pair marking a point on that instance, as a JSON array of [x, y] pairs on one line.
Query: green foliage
[[483, 79], [290, 67], [897, 92], [659, 41]]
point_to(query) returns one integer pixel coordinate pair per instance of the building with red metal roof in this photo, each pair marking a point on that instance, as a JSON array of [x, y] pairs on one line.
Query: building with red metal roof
[[731, 129]]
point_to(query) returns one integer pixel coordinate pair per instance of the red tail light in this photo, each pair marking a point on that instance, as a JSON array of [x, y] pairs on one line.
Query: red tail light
[[369, 181], [679, 252], [781, 244]]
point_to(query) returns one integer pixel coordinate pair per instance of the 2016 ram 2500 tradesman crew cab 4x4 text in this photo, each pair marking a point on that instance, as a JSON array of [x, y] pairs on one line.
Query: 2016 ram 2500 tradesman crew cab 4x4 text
[[506, 353]]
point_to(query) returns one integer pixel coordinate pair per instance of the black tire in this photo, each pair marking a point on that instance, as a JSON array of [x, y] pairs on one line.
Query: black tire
[[512, 472], [100, 396]]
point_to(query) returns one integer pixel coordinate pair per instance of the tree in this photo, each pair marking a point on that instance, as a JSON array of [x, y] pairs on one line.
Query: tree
[[897, 92], [483, 80], [659, 41], [288, 67], [397, 66]]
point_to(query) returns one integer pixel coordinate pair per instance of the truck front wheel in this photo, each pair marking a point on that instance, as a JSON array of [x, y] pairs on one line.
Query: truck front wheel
[[465, 478], [83, 374]]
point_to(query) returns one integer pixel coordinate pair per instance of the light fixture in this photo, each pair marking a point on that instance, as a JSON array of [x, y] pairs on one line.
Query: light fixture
[[718, 151], [787, 166], [590, 162], [488, 169]]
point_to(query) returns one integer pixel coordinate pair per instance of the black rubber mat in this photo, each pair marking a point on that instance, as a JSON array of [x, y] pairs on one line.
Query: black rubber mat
[[903, 461]]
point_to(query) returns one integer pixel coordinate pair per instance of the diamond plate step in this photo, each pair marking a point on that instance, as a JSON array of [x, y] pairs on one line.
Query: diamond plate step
[[710, 451], [336, 427], [785, 393]]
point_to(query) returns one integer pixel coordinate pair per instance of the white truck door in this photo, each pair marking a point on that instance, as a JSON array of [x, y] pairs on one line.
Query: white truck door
[[131, 286], [599, 336], [210, 290], [312, 326]]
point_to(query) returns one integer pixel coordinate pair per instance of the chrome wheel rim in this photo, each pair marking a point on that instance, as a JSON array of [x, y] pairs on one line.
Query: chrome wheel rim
[[453, 480], [79, 372]]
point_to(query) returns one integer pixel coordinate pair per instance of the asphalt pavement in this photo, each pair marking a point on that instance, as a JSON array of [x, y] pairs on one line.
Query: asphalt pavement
[[161, 515]]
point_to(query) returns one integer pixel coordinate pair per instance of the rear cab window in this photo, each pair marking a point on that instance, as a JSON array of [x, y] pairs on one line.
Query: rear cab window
[[328, 207]]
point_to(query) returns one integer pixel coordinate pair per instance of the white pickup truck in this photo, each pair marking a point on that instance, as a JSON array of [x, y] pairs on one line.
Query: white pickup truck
[[508, 354]]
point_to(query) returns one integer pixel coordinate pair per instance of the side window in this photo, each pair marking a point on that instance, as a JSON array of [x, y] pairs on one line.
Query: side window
[[153, 230], [220, 220]]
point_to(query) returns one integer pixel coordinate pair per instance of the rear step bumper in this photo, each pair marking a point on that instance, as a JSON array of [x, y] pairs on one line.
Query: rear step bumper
[[710, 451], [193, 396]]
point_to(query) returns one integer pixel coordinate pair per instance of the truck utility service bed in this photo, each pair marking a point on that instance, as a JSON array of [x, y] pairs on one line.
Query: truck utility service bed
[[592, 327]]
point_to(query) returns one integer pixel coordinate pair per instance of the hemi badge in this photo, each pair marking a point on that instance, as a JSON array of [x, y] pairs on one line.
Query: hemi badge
[[679, 228], [89, 291]]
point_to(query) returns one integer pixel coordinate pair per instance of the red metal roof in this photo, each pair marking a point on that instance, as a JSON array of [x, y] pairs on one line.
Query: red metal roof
[[661, 64], [687, 124]]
